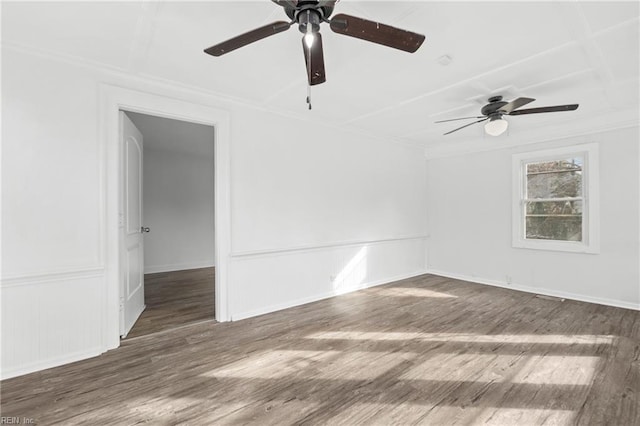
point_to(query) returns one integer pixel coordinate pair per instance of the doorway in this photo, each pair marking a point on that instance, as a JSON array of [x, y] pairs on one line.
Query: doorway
[[169, 172], [184, 106]]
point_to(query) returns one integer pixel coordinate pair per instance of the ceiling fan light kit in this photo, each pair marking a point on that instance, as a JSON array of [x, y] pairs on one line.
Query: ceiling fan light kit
[[496, 109], [309, 38], [309, 14], [496, 126]]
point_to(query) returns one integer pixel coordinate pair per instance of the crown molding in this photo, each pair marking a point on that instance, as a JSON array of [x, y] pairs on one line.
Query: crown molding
[[122, 73], [161, 83]]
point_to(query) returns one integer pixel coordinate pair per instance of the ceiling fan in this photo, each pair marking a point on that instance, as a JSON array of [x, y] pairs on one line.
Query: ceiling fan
[[309, 14], [496, 108]]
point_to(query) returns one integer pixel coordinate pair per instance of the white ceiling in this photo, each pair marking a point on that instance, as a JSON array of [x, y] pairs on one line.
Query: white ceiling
[[556, 52]]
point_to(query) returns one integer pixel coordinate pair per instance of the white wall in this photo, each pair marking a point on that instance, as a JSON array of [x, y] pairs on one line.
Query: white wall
[[178, 208], [304, 207], [469, 213], [311, 216]]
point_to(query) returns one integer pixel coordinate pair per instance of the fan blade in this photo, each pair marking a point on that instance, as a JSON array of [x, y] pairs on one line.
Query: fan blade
[[515, 104], [376, 32], [314, 59], [456, 119], [287, 4], [330, 3], [558, 108], [247, 38], [467, 125]]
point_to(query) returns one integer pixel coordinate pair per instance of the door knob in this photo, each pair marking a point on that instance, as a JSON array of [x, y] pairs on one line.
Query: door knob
[[145, 229]]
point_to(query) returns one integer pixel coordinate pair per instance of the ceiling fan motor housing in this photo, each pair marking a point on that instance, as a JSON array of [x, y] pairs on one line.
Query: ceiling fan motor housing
[[299, 14], [495, 103]]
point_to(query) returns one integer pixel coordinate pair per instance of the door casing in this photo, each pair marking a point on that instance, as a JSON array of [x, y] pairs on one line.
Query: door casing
[[114, 99]]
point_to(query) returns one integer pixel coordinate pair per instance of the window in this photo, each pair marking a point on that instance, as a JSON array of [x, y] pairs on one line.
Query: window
[[555, 199]]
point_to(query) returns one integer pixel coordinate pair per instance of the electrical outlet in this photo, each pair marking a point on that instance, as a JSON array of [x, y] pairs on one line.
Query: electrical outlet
[[332, 278], [508, 279]]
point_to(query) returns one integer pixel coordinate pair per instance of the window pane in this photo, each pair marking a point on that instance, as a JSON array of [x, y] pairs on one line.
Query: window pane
[[554, 220], [554, 208], [573, 163], [555, 179]]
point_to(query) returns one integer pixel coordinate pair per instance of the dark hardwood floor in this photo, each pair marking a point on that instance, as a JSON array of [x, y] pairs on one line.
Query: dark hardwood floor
[[427, 350], [175, 299]]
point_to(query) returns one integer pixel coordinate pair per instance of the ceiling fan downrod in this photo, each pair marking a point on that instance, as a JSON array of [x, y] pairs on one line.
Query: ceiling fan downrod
[[308, 19]]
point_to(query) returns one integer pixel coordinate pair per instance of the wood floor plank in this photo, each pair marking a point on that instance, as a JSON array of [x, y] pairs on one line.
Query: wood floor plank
[[174, 299], [426, 350]]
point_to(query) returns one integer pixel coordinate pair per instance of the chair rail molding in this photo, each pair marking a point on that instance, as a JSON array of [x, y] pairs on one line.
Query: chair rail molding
[[54, 275], [313, 247]]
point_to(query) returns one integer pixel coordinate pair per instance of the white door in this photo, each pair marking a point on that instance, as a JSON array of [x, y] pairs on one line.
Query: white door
[[131, 227]]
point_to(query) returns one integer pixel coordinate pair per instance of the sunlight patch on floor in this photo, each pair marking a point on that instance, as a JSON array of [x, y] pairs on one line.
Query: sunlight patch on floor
[[274, 364], [267, 412], [462, 367], [499, 416], [416, 411], [411, 292], [558, 370], [333, 365], [163, 406], [365, 335], [586, 339], [377, 413]]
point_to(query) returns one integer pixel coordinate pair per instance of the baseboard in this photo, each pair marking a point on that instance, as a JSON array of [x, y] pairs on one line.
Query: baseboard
[[154, 269], [538, 290], [49, 363], [321, 296]]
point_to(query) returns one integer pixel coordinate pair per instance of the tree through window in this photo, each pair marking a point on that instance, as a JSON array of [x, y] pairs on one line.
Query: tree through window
[[554, 200]]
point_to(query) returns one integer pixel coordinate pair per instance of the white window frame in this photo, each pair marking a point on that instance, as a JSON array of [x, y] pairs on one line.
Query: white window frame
[[590, 191]]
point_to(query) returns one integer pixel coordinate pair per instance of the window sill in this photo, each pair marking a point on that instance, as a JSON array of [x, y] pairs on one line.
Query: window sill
[[564, 246]]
